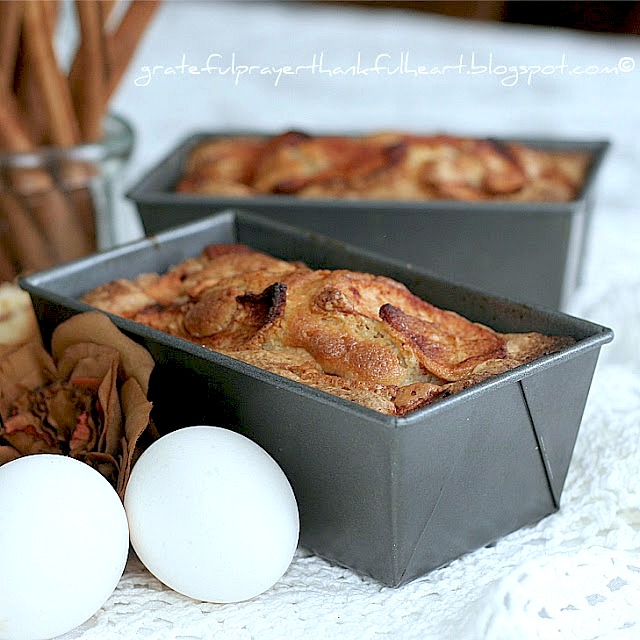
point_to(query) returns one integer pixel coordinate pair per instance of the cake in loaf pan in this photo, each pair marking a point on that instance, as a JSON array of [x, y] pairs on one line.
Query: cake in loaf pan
[[389, 496], [383, 166], [360, 336], [510, 216]]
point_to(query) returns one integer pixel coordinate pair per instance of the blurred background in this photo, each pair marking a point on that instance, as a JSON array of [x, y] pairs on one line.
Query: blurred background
[[168, 105], [486, 39], [612, 17]]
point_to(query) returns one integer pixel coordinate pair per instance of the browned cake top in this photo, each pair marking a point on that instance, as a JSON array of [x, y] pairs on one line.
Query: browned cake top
[[385, 165], [359, 336]]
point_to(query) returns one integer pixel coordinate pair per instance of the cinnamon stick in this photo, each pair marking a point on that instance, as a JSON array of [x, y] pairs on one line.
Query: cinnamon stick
[[13, 134], [7, 271], [7, 266], [10, 21], [51, 11], [123, 41], [120, 42], [32, 251], [89, 87], [82, 203], [26, 87], [29, 101], [54, 90], [74, 180], [88, 82], [62, 223]]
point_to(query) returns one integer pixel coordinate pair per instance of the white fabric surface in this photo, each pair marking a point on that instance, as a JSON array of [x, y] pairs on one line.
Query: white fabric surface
[[576, 574]]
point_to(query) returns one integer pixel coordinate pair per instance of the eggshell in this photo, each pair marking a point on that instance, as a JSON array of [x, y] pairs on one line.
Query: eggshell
[[64, 542], [211, 514]]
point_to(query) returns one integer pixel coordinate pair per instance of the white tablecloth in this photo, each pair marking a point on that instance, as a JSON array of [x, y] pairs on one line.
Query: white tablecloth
[[577, 573]]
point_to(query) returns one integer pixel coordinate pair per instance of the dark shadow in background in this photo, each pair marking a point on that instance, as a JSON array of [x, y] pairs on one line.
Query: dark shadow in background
[[587, 15]]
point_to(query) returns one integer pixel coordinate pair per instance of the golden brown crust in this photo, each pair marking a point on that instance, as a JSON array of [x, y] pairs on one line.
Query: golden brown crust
[[385, 165], [222, 167], [362, 337]]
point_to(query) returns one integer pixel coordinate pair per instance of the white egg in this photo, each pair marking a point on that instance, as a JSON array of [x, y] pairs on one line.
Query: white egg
[[211, 514], [64, 542]]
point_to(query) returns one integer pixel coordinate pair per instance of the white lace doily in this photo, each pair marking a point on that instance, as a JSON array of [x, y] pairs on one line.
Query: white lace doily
[[593, 593]]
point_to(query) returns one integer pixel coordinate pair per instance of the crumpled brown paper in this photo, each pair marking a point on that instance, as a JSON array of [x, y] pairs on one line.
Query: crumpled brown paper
[[87, 399]]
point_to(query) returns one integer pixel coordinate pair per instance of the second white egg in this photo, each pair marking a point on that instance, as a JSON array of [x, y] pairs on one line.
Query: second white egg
[[211, 514]]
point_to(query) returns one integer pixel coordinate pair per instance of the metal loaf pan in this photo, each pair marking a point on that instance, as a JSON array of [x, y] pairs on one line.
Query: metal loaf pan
[[531, 252], [390, 497]]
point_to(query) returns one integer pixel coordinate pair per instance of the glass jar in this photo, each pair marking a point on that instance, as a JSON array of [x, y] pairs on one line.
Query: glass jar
[[57, 203]]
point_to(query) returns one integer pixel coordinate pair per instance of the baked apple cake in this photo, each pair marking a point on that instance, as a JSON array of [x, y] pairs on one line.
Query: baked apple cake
[[382, 166], [358, 336]]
